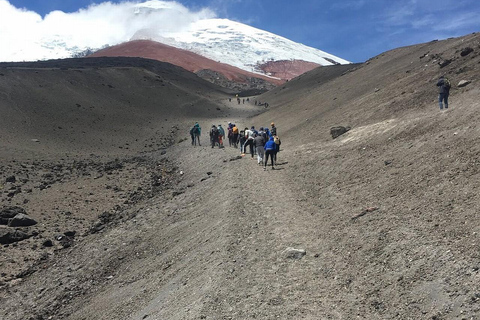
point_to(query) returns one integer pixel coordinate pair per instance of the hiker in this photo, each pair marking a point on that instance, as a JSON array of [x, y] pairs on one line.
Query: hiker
[[443, 85], [192, 135], [241, 140], [277, 141], [221, 134], [230, 134], [260, 141], [235, 135], [249, 136], [269, 152], [268, 133], [273, 129], [197, 131], [214, 136]]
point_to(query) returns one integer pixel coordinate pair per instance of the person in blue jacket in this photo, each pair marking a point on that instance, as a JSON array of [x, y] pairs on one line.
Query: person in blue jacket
[[270, 148]]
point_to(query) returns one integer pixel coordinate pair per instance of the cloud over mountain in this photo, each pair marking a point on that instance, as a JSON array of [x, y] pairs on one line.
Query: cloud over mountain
[[30, 36]]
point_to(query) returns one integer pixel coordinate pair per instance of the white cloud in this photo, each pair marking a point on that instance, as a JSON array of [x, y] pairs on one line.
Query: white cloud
[[23, 33]]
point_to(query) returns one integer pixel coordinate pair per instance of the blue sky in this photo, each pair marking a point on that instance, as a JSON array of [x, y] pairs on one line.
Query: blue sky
[[354, 30]]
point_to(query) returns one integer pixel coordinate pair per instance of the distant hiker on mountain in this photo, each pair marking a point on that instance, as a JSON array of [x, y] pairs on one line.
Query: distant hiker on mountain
[[255, 102], [243, 100], [259, 144], [197, 131], [221, 135], [273, 129], [229, 99], [443, 85], [214, 135], [269, 152]]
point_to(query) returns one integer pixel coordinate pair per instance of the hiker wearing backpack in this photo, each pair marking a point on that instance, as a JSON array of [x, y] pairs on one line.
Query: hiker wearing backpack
[[443, 85], [235, 135], [241, 140], [277, 141], [214, 135], [259, 143], [249, 136], [269, 152], [221, 135], [196, 130]]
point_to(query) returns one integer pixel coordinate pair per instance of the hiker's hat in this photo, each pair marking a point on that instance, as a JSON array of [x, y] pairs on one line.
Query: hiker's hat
[[272, 124]]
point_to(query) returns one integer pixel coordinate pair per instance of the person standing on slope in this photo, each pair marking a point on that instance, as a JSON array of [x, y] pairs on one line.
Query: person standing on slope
[[221, 135], [192, 135], [197, 131], [269, 152], [241, 140], [249, 136], [443, 85], [214, 134], [273, 129], [259, 143]]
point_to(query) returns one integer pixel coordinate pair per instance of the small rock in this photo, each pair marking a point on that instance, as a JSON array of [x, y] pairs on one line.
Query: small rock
[[47, 243], [11, 179], [466, 51], [21, 220], [463, 83], [444, 63], [8, 236], [35, 140], [292, 253]]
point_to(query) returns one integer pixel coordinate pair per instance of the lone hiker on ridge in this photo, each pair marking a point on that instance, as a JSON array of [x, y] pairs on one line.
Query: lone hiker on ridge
[[197, 131], [443, 85]]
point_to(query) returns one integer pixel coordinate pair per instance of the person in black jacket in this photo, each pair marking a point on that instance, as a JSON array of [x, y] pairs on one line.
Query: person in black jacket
[[443, 85]]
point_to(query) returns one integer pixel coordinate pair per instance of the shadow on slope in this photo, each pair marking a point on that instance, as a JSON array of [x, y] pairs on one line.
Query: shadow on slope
[[100, 105]]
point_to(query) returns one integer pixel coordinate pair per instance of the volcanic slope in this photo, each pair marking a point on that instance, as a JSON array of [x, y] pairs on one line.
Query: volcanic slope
[[219, 73], [387, 213], [98, 105]]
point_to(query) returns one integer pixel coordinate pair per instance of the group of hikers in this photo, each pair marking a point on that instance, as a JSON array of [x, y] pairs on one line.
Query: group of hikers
[[264, 143]]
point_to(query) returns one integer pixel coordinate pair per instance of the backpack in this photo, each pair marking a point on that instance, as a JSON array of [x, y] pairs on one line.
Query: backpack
[[446, 83], [235, 130], [196, 130], [276, 139], [214, 132]]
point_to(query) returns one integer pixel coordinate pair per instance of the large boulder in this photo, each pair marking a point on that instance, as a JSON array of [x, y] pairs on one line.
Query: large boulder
[[463, 83], [21, 220], [8, 236], [338, 131], [7, 213]]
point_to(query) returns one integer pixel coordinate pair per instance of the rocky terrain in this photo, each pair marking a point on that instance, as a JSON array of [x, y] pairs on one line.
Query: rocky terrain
[[130, 221]]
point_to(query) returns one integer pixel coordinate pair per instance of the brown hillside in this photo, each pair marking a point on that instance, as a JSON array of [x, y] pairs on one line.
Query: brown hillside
[[186, 59], [384, 217]]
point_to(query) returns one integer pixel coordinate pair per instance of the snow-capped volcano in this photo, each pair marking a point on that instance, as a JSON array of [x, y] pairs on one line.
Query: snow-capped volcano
[[62, 35], [237, 44], [231, 42]]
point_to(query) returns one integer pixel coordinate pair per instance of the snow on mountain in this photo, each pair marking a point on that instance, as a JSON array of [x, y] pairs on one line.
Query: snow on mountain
[[238, 44], [62, 35]]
